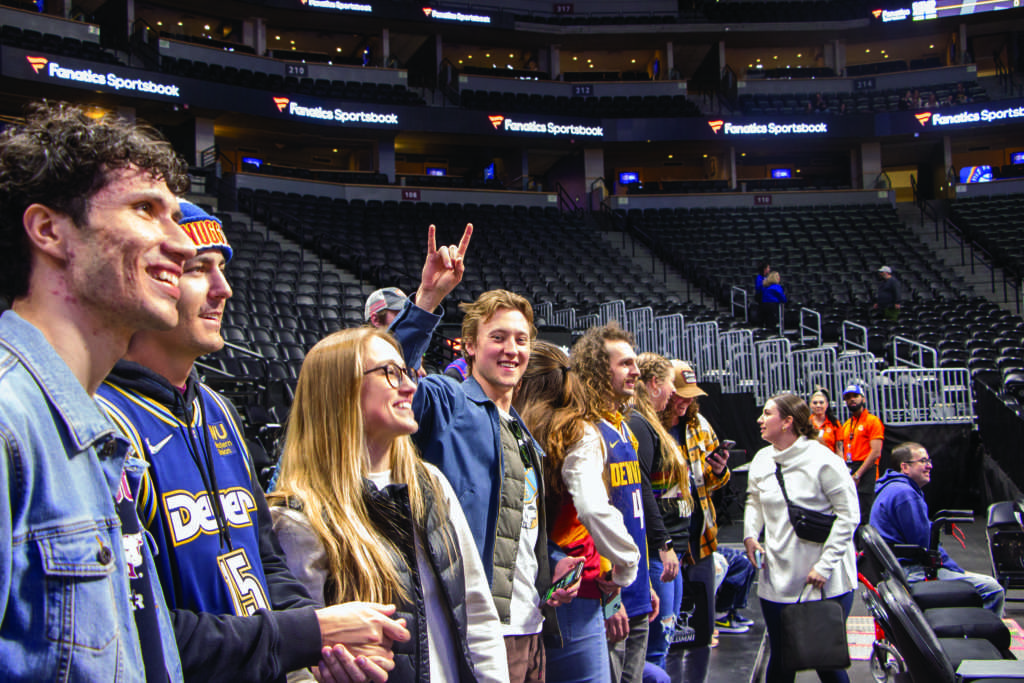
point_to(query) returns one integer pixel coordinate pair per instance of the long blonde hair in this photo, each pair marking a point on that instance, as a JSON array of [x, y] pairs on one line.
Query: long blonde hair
[[324, 462], [652, 366]]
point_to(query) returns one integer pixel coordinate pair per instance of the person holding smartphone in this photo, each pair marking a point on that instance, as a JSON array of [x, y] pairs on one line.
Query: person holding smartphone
[[552, 402], [708, 469]]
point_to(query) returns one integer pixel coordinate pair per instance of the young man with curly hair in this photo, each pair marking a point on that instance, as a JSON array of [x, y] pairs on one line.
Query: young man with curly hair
[[90, 253], [604, 360]]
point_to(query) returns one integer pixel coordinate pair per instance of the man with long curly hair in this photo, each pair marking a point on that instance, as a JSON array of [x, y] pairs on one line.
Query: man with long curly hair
[[604, 360]]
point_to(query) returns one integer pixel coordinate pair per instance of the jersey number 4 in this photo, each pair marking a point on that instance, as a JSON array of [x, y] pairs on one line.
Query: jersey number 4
[[638, 506]]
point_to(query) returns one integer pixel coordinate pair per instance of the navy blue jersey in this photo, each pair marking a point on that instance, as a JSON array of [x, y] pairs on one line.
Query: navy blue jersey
[[208, 555], [626, 494]]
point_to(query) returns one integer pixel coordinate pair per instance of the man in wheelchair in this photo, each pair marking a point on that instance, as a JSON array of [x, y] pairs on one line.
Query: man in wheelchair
[[900, 515]]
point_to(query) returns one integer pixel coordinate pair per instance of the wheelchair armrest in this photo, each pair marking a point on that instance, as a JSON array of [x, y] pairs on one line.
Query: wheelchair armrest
[[950, 516], [907, 551], [945, 519]]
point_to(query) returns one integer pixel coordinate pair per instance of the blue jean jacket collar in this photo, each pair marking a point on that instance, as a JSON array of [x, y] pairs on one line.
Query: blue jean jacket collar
[[85, 422]]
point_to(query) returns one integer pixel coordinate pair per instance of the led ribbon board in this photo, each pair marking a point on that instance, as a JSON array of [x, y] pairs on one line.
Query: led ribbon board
[[336, 115], [507, 125], [120, 80], [457, 17], [767, 128], [338, 5]]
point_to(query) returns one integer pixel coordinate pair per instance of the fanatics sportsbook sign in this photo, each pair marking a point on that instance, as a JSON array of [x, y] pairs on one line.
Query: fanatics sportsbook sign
[[504, 123], [338, 115], [768, 128], [114, 79]]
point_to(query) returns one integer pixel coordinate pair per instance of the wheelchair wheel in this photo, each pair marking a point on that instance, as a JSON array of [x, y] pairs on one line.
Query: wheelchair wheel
[[887, 665]]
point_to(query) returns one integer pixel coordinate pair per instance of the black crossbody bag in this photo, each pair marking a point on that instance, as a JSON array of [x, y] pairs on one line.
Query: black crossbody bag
[[809, 525]]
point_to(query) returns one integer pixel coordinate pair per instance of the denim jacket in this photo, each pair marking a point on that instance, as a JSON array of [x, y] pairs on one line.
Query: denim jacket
[[65, 606]]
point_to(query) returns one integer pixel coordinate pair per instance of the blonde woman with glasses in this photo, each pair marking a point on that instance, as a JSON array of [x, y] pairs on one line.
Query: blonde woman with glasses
[[361, 517]]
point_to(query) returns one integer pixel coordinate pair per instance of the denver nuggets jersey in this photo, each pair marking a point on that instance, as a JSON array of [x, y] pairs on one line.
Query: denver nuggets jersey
[[194, 446], [627, 496]]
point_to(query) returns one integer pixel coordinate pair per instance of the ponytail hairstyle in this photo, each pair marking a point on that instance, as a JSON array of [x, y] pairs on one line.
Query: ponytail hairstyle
[[791, 405]]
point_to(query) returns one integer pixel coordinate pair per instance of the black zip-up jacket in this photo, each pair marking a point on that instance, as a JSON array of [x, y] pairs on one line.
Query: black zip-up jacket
[[224, 647]]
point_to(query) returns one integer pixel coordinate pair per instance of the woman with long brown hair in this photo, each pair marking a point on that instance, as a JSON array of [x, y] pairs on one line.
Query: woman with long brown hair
[[667, 514], [582, 521], [360, 516]]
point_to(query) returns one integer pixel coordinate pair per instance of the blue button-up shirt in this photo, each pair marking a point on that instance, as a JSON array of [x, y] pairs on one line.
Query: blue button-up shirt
[[65, 602]]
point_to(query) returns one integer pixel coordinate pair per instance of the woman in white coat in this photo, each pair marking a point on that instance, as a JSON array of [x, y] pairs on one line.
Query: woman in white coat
[[814, 479]]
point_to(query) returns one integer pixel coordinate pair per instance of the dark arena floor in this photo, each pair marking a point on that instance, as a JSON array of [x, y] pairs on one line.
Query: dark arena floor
[[734, 659]]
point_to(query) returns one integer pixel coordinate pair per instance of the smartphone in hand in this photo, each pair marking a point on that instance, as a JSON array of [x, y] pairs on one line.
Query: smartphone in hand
[[567, 580], [723, 450], [611, 605]]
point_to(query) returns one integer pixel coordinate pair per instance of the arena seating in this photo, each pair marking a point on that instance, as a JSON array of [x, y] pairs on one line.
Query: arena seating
[[828, 257], [383, 242], [785, 11], [859, 102], [635, 106], [995, 224], [30, 39], [383, 93]]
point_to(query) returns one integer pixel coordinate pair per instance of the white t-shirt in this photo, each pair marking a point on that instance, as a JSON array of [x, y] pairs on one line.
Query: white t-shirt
[[525, 617]]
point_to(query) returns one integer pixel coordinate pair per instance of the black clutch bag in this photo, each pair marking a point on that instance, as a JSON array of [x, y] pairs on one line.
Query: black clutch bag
[[810, 525]]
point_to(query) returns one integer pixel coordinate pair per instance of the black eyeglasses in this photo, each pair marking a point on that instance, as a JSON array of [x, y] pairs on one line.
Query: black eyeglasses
[[926, 461], [394, 373]]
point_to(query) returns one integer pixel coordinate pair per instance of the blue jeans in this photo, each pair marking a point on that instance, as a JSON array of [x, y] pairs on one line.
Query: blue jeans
[[772, 612], [671, 596], [583, 656], [732, 595], [992, 594]]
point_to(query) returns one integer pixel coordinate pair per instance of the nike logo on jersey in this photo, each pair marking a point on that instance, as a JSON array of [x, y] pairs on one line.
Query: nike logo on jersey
[[614, 444], [156, 449]]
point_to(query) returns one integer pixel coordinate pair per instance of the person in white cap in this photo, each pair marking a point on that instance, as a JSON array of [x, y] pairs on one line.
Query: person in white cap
[[862, 437], [889, 295], [383, 306]]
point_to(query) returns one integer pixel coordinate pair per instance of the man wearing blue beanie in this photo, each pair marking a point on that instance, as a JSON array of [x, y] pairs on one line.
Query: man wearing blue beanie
[[238, 613]]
